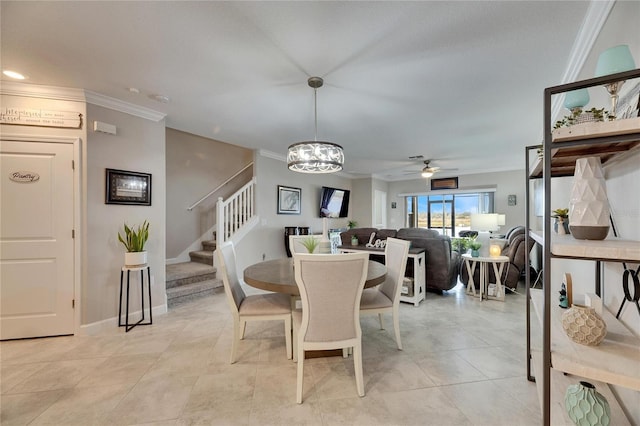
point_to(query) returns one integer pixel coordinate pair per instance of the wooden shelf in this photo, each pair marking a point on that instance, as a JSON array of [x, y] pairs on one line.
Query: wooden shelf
[[563, 159], [559, 384], [615, 360], [595, 130], [610, 249]]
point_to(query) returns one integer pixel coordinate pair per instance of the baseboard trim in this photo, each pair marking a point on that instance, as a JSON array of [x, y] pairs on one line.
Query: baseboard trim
[[111, 324]]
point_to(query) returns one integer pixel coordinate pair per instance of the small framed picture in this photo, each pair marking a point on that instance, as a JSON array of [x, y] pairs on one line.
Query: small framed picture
[[125, 187], [629, 103], [445, 183], [289, 200]]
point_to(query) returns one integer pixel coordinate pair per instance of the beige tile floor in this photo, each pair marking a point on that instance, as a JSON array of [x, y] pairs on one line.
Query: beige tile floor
[[463, 363]]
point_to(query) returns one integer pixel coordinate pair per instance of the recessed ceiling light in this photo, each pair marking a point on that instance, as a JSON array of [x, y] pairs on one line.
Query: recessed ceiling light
[[134, 90], [14, 74]]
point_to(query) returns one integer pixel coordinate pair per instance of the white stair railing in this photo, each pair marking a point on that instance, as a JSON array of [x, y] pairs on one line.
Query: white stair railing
[[235, 212]]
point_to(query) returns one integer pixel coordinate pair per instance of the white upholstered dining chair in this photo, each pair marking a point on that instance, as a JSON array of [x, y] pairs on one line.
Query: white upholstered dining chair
[[330, 289], [386, 297], [259, 307]]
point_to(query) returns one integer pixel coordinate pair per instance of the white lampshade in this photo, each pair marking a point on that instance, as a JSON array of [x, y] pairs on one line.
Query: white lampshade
[[485, 222], [502, 219]]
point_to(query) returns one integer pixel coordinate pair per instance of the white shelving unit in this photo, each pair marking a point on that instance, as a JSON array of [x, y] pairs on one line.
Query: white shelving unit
[[617, 359]]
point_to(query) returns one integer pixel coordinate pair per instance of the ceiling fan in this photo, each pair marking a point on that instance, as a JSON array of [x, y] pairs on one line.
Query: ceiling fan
[[428, 170]]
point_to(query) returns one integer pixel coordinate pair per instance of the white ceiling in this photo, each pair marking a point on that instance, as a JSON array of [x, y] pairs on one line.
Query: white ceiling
[[457, 82]]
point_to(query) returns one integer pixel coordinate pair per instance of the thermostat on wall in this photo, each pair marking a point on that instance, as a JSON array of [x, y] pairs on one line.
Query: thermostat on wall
[[101, 127]]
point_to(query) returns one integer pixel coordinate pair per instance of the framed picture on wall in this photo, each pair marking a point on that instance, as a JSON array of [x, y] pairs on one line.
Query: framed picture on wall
[[445, 183], [126, 187], [629, 103], [289, 200]]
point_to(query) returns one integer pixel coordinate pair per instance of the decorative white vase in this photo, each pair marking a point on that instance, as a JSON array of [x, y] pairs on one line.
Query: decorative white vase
[[135, 259], [588, 203]]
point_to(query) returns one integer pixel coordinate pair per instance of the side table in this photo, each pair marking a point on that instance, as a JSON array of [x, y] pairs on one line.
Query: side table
[[128, 270], [417, 256], [497, 262]]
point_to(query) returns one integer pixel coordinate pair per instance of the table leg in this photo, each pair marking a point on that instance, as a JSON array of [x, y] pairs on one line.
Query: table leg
[[120, 304], [471, 267], [483, 280], [497, 269], [150, 305], [126, 320]]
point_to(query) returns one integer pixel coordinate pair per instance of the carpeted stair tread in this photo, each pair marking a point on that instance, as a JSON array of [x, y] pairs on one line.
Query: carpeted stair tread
[[202, 256], [191, 291], [209, 245], [183, 270]]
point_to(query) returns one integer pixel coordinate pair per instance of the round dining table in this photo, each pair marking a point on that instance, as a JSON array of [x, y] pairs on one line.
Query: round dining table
[[277, 276]]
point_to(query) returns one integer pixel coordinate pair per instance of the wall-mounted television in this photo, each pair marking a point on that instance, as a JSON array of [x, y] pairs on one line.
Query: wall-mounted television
[[334, 202]]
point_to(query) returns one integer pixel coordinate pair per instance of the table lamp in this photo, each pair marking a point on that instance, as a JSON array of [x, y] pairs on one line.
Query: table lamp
[[484, 223], [613, 60]]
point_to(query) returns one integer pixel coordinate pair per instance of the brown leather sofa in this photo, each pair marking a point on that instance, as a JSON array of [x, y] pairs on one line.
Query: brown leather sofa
[[442, 262], [515, 249]]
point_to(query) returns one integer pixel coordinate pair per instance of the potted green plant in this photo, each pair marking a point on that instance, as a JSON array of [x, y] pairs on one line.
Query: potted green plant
[[134, 241], [561, 224], [310, 243], [352, 224], [475, 248], [460, 244]]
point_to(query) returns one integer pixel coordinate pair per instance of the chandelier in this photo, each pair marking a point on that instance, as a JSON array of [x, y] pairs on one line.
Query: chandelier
[[315, 156]]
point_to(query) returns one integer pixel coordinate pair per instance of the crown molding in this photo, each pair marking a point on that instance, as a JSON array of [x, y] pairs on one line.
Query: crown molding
[[14, 88], [272, 155], [122, 106], [594, 20]]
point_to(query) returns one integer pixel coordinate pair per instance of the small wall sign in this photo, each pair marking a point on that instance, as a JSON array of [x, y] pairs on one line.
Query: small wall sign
[[24, 176], [40, 117]]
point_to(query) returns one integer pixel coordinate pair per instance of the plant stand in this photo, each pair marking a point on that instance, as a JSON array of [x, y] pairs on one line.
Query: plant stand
[[126, 325]]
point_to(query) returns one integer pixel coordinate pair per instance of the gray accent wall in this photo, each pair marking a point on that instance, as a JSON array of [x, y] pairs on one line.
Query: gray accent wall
[[139, 145], [195, 166]]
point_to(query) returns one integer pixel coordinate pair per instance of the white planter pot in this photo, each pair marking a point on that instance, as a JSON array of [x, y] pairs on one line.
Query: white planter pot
[[133, 259]]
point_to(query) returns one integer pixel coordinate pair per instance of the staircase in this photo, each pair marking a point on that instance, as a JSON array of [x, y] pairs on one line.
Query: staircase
[[235, 218], [191, 280]]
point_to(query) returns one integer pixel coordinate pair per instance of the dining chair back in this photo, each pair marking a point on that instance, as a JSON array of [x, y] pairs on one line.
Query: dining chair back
[[259, 307], [386, 298], [330, 289]]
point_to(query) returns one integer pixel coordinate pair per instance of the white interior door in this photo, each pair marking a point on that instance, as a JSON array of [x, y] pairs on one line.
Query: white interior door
[[36, 242], [380, 209]]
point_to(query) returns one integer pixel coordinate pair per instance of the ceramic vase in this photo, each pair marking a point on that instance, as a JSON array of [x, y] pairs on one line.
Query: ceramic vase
[[583, 325], [475, 253], [588, 203], [561, 225], [586, 406], [135, 259]]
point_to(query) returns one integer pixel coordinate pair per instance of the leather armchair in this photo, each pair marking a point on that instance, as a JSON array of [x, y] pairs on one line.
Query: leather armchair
[[442, 262]]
